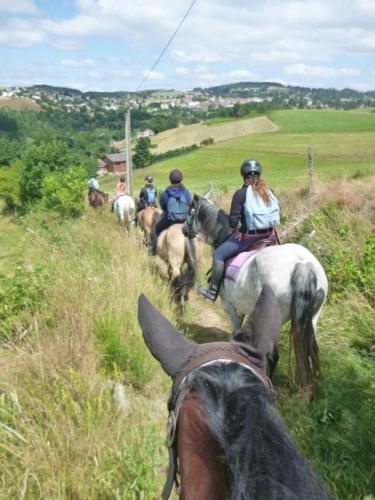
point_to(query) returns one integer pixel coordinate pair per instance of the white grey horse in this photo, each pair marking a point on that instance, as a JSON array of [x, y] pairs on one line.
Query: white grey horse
[[294, 275], [124, 208]]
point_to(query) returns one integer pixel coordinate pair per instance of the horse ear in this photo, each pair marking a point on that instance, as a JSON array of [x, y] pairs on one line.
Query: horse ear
[[196, 198], [165, 343]]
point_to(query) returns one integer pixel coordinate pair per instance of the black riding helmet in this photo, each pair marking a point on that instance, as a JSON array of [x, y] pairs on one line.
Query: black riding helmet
[[250, 167], [149, 178], [175, 176]]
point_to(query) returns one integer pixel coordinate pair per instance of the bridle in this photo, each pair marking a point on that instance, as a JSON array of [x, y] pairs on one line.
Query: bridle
[[191, 224]]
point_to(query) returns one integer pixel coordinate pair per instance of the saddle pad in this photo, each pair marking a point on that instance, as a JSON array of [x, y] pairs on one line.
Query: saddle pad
[[233, 266]]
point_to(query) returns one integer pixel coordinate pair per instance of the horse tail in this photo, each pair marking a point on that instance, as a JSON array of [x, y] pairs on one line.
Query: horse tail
[[307, 301]]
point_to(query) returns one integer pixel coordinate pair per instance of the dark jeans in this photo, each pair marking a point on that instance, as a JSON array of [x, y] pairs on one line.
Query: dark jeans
[[237, 243]]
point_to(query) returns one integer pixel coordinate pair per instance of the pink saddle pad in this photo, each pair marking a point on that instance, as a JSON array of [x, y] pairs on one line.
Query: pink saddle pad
[[233, 266]]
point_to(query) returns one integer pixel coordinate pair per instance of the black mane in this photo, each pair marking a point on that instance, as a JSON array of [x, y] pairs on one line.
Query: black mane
[[261, 459], [214, 222]]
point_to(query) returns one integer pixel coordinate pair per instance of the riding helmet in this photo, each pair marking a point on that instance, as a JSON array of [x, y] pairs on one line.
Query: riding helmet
[[175, 176], [149, 178], [250, 167]]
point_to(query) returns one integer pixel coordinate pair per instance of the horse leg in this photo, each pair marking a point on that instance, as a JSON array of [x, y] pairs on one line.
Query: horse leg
[[233, 315]]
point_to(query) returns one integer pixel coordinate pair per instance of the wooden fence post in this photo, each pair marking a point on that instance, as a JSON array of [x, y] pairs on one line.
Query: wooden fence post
[[310, 167]]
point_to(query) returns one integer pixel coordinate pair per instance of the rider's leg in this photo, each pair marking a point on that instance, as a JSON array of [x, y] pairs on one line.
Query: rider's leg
[[157, 229], [229, 248]]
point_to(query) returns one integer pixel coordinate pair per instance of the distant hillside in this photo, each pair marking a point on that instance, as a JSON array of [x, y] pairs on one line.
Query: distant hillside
[[19, 104]]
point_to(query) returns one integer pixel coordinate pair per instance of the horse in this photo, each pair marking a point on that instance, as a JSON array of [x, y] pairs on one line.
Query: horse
[[176, 250], [124, 207], [147, 218], [97, 198], [225, 438], [290, 270]]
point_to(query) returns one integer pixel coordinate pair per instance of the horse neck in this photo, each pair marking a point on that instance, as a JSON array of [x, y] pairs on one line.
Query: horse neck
[[241, 416], [213, 224]]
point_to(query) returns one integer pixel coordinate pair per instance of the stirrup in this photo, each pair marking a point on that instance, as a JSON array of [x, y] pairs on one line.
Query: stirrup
[[207, 293]]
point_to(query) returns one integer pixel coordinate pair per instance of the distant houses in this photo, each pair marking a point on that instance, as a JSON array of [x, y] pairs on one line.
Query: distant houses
[[145, 133], [112, 164]]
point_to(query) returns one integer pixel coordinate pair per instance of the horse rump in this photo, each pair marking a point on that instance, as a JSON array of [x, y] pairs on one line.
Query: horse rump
[[307, 301]]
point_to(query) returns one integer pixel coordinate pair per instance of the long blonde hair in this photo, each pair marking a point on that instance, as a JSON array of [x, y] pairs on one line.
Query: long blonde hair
[[259, 187]]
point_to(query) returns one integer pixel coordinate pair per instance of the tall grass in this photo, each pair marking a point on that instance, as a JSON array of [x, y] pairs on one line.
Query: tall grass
[[63, 434]]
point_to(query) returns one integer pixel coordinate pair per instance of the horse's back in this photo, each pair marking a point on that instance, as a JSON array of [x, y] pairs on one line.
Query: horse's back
[[274, 266]]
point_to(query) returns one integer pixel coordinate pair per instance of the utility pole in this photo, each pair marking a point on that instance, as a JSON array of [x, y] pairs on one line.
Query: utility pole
[[310, 167], [128, 153]]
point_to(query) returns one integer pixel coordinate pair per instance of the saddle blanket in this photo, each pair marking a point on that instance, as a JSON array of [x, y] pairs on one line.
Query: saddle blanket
[[233, 266]]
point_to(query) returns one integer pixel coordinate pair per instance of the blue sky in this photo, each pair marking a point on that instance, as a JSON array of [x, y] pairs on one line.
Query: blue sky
[[110, 44]]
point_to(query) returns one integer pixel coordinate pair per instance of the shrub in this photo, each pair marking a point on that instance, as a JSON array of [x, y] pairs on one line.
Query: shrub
[[39, 161], [63, 192], [207, 142], [10, 186]]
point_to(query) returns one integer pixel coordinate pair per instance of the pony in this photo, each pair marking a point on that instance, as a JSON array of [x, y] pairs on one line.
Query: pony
[[124, 207], [97, 198], [290, 270], [176, 250], [147, 218], [226, 440]]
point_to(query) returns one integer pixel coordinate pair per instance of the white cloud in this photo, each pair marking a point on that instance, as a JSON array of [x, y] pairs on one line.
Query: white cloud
[[242, 74], [20, 33], [154, 75], [18, 6], [198, 56], [74, 63], [181, 70], [319, 71]]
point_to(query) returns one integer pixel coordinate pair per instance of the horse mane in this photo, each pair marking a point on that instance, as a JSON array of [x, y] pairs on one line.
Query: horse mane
[[214, 222], [261, 459]]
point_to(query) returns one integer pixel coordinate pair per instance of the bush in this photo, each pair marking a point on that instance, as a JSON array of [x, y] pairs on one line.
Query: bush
[[63, 192], [39, 161], [207, 142], [10, 190]]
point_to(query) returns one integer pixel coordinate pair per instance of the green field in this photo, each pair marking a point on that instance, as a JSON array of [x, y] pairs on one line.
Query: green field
[[282, 154], [304, 121]]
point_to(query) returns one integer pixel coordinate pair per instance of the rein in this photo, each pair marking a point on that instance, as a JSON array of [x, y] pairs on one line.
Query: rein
[[205, 355]]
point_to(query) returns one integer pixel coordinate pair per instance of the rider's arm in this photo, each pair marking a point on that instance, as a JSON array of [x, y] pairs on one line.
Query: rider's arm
[[164, 201], [238, 201]]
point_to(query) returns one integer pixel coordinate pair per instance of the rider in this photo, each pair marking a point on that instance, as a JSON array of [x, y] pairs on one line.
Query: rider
[[93, 184], [257, 208], [120, 190], [174, 202], [147, 197]]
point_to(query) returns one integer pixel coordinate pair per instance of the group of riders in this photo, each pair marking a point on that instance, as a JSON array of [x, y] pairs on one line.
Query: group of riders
[[254, 213]]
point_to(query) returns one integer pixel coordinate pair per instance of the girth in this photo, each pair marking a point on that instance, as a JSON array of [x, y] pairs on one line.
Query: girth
[[205, 354]]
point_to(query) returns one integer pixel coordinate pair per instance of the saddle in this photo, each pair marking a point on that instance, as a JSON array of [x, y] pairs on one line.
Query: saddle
[[234, 264]]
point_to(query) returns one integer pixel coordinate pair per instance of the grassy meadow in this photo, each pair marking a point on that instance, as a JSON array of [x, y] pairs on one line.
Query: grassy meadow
[[82, 402]]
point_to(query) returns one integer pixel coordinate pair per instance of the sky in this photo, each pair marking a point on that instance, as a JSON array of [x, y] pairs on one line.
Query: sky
[[111, 44]]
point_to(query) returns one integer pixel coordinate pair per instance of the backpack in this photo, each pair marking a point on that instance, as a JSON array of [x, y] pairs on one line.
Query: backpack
[[151, 196], [258, 215], [177, 208]]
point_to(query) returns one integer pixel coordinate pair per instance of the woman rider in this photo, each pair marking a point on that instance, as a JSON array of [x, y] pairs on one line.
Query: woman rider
[[257, 208]]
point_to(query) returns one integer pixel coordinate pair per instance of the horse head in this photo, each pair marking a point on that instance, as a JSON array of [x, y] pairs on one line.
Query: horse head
[[205, 218]]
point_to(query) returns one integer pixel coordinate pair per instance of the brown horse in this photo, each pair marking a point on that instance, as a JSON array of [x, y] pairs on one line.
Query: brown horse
[[97, 198], [225, 437], [176, 250], [147, 218]]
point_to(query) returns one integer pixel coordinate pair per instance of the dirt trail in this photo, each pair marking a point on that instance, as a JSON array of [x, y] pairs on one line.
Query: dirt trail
[[209, 323]]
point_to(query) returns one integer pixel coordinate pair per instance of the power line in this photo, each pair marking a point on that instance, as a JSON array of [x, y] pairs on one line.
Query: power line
[[166, 46]]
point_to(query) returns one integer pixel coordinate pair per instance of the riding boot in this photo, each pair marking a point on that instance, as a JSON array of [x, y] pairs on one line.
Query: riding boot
[[217, 274]]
